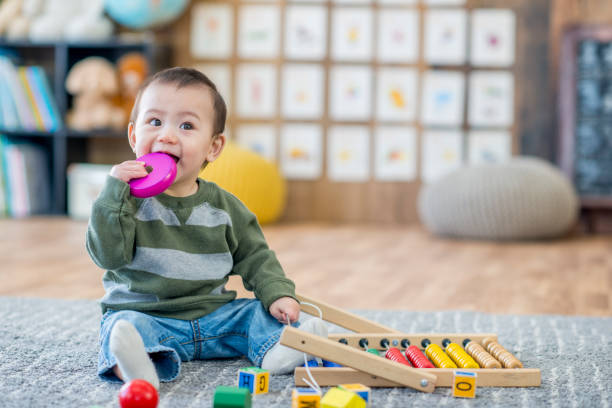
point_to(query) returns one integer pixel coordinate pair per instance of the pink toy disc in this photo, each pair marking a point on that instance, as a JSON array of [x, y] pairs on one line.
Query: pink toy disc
[[158, 180]]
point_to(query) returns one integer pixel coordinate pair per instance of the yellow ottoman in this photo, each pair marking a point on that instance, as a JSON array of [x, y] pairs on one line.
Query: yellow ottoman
[[254, 180]]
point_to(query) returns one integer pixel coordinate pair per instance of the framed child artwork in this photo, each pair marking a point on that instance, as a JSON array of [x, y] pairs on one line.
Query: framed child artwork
[[259, 34], [258, 138], [445, 36], [491, 99], [305, 32], [396, 92], [212, 31], [398, 36], [301, 151], [442, 98], [395, 153], [489, 146], [352, 34], [493, 38], [256, 90], [442, 152], [348, 150], [302, 91], [350, 90]]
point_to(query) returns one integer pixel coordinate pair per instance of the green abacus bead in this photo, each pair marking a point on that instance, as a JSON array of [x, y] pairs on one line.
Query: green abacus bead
[[373, 351]]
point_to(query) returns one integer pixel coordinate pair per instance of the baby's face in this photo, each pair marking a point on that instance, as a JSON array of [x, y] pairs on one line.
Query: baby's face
[[178, 122]]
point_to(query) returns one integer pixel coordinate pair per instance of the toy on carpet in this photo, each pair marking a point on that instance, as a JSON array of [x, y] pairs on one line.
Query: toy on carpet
[[305, 398], [349, 350], [464, 384], [93, 82], [138, 394], [255, 379], [162, 172], [231, 397], [359, 389], [338, 397]]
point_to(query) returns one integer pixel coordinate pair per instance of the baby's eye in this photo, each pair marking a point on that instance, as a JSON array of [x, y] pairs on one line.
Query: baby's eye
[[186, 126], [155, 122]]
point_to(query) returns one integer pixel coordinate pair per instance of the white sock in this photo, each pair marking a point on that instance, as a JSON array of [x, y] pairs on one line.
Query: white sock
[[282, 360], [133, 361]]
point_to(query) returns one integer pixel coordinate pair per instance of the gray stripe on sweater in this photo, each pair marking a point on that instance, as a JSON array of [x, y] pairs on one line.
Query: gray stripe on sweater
[[174, 264], [208, 216], [117, 293], [152, 210]]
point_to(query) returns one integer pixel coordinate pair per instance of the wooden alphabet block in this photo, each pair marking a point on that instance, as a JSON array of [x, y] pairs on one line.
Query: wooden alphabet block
[[231, 397], [359, 389], [464, 384], [305, 398], [339, 398], [255, 379]]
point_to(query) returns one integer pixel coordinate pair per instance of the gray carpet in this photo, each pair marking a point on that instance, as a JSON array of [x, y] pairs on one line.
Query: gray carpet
[[48, 355]]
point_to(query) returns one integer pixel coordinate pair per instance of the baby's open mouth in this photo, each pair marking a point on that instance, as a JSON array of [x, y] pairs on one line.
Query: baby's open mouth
[[175, 158]]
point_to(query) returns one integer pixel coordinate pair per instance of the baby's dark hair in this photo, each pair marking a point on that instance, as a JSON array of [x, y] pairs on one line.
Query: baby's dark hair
[[183, 77]]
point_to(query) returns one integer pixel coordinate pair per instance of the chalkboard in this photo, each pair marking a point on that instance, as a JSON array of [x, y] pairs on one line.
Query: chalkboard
[[585, 148]]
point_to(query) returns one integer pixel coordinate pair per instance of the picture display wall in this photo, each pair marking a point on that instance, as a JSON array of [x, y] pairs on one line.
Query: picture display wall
[[361, 90]]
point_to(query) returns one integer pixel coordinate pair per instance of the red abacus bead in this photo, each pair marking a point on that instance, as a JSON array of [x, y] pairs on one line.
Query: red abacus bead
[[138, 394], [394, 354], [417, 358]]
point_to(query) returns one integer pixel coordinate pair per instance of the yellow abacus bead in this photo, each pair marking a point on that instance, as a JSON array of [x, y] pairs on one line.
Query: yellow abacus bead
[[500, 353], [439, 357], [481, 356], [460, 357]]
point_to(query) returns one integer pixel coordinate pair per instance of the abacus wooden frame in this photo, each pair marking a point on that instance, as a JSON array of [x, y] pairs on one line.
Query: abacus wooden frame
[[367, 369]]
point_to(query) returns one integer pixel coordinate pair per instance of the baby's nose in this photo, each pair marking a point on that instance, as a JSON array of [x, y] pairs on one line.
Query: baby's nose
[[167, 136]]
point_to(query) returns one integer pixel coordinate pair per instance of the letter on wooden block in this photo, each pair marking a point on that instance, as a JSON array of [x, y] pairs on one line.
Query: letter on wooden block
[[305, 398], [255, 379], [464, 384]]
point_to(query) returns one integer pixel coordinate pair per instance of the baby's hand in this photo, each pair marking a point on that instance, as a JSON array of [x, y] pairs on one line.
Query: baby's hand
[[283, 307], [129, 170]]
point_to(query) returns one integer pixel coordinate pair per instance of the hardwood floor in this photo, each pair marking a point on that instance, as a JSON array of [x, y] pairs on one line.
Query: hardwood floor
[[355, 267]]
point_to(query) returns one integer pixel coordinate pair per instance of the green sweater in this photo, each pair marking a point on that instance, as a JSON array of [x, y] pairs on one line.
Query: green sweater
[[171, 257]]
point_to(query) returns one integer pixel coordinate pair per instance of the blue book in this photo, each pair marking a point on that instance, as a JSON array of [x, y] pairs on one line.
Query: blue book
[[38, 77]]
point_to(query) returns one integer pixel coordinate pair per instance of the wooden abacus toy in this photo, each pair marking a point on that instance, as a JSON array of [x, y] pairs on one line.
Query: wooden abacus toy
[[501, 368]]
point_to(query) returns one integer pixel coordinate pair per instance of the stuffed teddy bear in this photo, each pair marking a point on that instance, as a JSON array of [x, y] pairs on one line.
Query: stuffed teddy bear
[[9, 10], [19, 28], [93, 82], [133, 70]]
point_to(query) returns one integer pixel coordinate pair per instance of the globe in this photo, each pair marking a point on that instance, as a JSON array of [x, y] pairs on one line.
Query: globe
[[143, 14]]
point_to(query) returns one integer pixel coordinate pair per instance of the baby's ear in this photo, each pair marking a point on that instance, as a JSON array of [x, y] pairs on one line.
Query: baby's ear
[[216, 147], [131, 135]]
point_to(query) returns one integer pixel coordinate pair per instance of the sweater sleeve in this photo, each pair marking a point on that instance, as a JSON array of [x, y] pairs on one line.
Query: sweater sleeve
[[110, 233], [256, 264]]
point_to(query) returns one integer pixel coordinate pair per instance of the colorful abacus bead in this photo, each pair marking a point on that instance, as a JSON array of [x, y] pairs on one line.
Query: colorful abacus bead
[[501, 354], [437, 355], [364, 343], [458, 355], [393, 353], [417, 358], [480, 354]]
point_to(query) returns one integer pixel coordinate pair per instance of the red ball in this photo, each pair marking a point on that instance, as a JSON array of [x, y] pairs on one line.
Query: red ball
[[138, 394]]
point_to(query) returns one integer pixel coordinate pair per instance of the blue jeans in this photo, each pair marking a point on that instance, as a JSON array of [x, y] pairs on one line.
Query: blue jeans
[[240, 328]]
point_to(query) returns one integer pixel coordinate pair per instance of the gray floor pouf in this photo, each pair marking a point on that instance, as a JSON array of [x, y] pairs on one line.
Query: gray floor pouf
[[523, 198]]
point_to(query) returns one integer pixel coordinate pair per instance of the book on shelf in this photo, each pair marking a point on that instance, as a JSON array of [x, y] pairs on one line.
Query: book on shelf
[[25, 182], [26, 101]]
